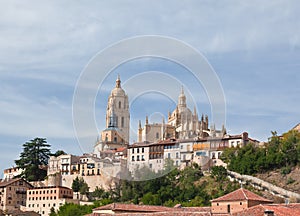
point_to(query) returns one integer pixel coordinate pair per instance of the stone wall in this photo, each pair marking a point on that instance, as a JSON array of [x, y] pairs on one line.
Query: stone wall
[[263, 185]]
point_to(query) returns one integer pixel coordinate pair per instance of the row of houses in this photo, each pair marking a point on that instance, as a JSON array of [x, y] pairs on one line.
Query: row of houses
[[204, 151], [19, 197]]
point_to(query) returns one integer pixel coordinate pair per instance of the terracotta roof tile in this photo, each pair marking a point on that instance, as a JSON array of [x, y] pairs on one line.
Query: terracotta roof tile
[[241, 194], [278, 209]]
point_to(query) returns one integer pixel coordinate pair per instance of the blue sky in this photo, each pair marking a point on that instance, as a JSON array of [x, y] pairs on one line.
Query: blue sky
[[253, 46]]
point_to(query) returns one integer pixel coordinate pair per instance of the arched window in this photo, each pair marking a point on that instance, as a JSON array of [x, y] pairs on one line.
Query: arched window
[[157, 135], [122, 121], [115, 139], [120, 104]]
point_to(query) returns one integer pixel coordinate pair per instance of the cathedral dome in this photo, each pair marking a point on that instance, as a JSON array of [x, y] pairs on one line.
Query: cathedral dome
[[118, 91]]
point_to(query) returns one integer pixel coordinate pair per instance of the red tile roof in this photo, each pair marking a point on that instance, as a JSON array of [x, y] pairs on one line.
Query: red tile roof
[[278, 209], [132, 209], [241, 194], [5, 182], [137, 208]]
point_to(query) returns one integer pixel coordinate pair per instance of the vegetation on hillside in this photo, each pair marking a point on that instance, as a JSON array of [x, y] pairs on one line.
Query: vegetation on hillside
[[189, 187], [281, 152]]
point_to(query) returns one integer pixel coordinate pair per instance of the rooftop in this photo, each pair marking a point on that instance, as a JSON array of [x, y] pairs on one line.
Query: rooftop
[[241, 194], [278, 209]]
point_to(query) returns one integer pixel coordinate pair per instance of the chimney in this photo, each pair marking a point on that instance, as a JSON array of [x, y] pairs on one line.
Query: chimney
[[268, 213]]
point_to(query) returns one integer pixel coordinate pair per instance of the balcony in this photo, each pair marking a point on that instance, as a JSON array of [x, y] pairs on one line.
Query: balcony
[[18, 191]]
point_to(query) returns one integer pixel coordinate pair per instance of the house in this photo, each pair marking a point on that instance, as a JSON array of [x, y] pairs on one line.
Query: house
[[271, 210], [12, 172], [236, 201], [42, 199], [13, 193]]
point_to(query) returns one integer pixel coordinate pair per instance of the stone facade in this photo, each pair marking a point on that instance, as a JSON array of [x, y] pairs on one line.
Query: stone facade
[[13, 193]]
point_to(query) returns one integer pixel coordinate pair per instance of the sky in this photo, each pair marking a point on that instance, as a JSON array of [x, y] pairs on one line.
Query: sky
[[45, 47]]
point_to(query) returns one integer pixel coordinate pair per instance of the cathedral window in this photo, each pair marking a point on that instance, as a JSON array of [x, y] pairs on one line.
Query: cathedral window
[[122, 121]]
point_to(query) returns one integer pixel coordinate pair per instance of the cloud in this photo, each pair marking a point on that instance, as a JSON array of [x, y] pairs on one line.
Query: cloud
[[253, 46]]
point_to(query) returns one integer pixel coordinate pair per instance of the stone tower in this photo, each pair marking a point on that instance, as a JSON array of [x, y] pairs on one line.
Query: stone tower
[[118, 107]]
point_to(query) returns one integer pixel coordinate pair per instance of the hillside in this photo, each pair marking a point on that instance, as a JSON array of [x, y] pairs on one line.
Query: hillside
[[289, 181]]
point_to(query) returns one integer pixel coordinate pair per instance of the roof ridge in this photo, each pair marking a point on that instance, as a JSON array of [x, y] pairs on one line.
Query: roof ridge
[[244, 194]]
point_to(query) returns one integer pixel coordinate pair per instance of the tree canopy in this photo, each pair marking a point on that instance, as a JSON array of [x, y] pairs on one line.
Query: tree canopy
[[278, 153], [33, 159]]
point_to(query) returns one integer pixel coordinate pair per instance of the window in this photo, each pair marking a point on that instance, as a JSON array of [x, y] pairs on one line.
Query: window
[[44, 205], [177, 155], [142, 150], [132, 158], [176, 163], [120, 104], [143, 158], [169, 155], [116, 121], [137, 150], [122, 121], [241, 203], [138, 158], [228, 208], [115, 139], [132, 150], [150, 165], [157, 135]]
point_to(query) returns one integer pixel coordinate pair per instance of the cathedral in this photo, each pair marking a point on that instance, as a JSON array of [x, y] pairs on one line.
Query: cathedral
[[181, 124], [116, 133]]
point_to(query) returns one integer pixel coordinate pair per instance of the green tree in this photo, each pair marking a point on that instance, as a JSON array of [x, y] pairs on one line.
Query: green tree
[[219, 173], [79, 185], [59, 152], [33, 159]]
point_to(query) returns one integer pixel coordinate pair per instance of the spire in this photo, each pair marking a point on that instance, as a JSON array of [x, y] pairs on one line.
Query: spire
[[118, 82], [182, 98], [146, 120], [195, 111], [140, 124]]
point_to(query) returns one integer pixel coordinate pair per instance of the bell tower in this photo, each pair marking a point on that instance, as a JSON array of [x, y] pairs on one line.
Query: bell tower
[[118, 107]]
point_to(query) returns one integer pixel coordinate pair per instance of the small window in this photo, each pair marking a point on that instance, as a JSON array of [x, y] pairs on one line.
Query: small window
[[132, 150], [120, 104], [217, 204], [241, 203], [132, 158], [142, 150], [137, 150]]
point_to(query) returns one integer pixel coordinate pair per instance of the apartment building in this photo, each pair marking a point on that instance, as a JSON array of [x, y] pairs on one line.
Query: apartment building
[[13, 193], [42, 199]]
